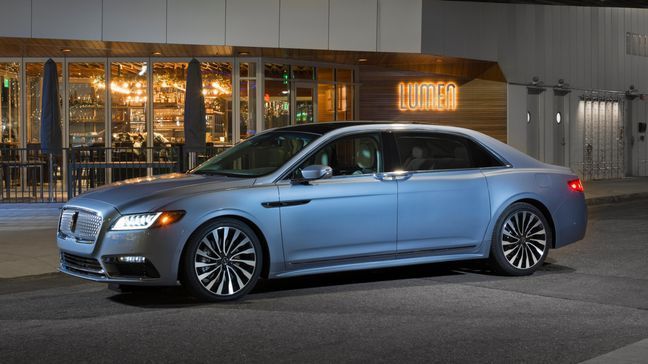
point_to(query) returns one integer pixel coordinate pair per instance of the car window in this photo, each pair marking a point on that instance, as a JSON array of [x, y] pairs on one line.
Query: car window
[[352, 155], [257, 156], [439, 151]]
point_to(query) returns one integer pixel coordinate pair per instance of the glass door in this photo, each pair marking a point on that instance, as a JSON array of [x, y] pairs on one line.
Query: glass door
[[304, 101]]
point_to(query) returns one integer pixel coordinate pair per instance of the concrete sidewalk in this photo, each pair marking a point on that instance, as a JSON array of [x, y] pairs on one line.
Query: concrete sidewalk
[[27, 231], [608, 191]]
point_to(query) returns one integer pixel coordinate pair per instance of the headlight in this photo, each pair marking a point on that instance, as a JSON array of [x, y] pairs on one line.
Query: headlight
[[146, 220]]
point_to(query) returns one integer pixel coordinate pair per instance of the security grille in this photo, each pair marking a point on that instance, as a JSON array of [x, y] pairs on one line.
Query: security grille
[[81, 225], [604, 145]]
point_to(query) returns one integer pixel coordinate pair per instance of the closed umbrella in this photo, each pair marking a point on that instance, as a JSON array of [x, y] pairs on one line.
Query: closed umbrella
[[194, 113], [50, 133]]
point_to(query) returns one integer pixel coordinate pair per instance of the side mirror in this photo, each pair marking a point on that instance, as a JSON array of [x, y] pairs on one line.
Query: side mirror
[[314, 172]]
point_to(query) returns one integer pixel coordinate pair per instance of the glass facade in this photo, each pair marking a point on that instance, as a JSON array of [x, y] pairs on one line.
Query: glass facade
[[86, 103], [169, 82], [247, 99], [128, 97], [9, 104], [108, 98], [217, 89]]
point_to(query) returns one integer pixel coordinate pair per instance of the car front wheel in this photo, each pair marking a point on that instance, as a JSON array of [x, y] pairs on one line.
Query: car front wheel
[[521, 240], [222, 261]]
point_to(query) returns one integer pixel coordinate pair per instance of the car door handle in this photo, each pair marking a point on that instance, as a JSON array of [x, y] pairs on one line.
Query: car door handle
[[393, 176]]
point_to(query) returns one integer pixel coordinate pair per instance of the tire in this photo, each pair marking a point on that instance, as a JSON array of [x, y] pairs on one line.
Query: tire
[[521, 240], [222, 261]]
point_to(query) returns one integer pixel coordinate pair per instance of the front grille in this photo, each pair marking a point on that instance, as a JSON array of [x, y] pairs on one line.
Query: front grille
[[81, 225], [82, 265]]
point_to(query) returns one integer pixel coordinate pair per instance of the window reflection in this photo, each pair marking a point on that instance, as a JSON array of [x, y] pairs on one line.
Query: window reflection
[[169, 82], [9, 104], [86, 85], [247, 99], [325, 102], [128, 90], [277, 104], [217, 89]]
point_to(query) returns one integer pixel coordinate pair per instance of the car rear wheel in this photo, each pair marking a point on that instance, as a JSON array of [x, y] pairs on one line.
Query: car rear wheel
[[521, 240], [222, 261]]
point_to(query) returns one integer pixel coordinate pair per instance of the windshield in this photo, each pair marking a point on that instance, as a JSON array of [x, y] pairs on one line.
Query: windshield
[[257, 156]]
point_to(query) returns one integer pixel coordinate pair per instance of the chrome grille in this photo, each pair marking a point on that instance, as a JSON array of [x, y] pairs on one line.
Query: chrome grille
[[82, 265], [80, 224]]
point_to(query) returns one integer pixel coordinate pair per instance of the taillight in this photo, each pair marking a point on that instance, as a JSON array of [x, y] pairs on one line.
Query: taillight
[[576, 185]]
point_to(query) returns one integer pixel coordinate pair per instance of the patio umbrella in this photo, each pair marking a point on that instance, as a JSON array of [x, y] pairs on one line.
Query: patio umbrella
[[50, 133], [194, 112]]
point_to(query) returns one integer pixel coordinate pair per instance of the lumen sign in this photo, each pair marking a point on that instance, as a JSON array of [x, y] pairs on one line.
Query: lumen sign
[[427, 96]]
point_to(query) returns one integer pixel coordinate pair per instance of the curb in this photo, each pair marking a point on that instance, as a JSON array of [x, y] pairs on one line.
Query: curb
[[594, 201]]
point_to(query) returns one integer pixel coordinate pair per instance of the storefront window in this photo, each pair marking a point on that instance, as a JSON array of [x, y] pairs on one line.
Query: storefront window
[[325, 94], [303, 72], [128, 90], [324, 74], [34, 85], [247, 99], [9, 105], [325, 102], [276, 104], [217, 88], [278, 71], [169, 82], [87, 93], [344, 101]]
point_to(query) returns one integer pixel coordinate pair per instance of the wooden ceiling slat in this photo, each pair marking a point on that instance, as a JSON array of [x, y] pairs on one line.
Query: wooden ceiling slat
[[424, 63]]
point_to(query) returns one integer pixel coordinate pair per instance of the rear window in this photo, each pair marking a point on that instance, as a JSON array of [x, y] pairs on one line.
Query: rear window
[[439, 151]]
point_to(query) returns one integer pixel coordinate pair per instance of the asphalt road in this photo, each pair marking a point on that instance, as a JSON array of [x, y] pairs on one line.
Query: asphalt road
[[589, 299]]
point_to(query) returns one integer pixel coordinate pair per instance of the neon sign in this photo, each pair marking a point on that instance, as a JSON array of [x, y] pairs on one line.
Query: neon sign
[[427, 96]]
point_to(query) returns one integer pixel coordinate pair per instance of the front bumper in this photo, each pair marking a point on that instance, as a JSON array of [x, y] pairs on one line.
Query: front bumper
[[98, 261]]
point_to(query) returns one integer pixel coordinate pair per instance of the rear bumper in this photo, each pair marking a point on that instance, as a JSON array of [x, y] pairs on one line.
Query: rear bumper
[[570, 219]]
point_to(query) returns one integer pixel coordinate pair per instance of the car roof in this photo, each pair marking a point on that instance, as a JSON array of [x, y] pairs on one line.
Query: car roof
[[326, 127]]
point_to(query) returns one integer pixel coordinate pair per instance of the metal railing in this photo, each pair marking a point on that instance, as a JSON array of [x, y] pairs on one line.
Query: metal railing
[[28, 175]]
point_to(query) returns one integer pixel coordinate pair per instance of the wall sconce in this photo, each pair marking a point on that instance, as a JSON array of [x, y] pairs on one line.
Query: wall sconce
[[632, 93], [528, 117], [558, 117]]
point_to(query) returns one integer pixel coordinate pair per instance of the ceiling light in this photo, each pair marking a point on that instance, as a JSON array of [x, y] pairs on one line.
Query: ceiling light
[[66, 50], [362, 60], [243, 53], [156, 53]]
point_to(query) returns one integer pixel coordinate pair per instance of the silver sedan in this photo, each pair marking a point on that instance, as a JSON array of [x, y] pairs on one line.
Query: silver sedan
[[325, 198]]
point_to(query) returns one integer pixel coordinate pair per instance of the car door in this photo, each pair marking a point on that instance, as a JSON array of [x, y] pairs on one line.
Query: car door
[[348, 217], [443, 199]]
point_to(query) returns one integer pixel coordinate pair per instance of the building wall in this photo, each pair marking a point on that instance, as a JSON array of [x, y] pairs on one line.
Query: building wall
[[584, 46], [481, 103], [360, 25]]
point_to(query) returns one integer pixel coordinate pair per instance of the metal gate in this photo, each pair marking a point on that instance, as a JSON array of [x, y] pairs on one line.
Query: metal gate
[[604, 143]]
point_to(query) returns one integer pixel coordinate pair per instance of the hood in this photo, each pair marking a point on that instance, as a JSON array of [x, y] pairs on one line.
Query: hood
[[150, 193]]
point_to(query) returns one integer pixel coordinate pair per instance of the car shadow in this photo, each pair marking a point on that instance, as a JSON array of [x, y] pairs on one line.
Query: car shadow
[[458, 272]]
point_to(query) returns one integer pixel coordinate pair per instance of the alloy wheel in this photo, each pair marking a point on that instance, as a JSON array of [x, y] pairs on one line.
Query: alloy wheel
[[225, 261], [524, 239]]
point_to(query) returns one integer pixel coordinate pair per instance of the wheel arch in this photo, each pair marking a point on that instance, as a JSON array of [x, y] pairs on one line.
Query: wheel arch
[[265, 264], [545, 211]]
